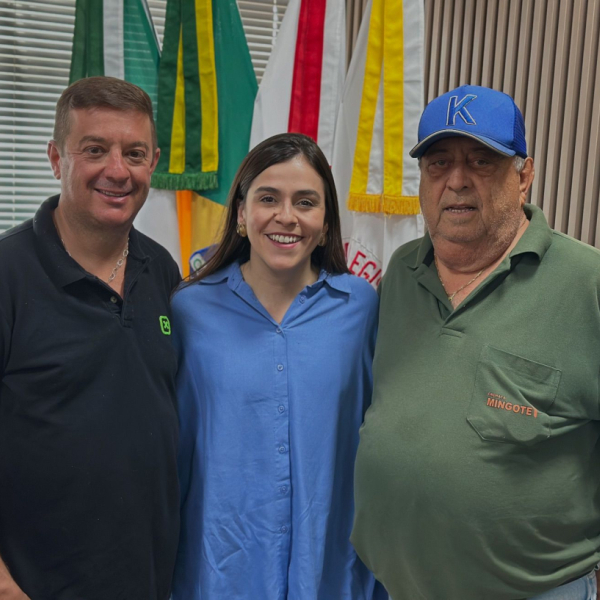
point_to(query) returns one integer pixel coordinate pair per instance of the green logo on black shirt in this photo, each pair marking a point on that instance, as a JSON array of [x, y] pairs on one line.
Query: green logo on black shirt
[[165, 325]]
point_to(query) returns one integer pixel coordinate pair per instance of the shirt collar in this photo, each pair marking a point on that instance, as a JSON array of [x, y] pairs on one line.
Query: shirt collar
[[223, 274], [337, 281], [58, 264], [233, 274], [536, 239]]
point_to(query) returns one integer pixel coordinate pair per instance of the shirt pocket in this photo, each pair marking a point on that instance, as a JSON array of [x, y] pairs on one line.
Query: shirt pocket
[[511, 398]]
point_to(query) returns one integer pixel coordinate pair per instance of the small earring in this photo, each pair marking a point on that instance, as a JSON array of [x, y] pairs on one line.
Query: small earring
[[241, 229], [323, 239]]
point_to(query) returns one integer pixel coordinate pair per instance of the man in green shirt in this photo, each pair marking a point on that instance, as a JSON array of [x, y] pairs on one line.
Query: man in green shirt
[[477, 475]]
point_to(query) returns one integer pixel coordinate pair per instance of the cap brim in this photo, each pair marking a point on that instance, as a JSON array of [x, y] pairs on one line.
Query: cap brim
[[423, 145]]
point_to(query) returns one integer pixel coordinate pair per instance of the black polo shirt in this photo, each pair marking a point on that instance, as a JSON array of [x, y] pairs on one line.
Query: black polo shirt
[[88, 426]]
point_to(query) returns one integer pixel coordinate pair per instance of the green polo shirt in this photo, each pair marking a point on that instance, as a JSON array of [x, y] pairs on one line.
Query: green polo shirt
[[478, 470]]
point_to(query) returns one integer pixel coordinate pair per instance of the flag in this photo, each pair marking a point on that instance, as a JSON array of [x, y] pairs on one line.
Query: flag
[[376, 179], [207, 88], [158, 219], [116, 38], [187, 125], [303, 82]]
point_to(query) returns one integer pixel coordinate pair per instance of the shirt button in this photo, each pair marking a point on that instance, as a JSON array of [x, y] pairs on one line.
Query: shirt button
[[283, 489], [283, 529], [113, 299], [302, 299], [280, 367], [278, 330], [281, 449], [281, 408]]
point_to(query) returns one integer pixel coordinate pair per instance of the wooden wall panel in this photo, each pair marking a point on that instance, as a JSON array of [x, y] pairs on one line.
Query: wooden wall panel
[[546, 54], [582, 206]]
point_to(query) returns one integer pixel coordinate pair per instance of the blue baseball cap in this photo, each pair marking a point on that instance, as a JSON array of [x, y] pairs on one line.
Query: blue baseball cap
[[486, 115]]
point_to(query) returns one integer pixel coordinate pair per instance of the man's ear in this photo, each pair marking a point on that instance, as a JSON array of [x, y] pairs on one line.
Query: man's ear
[[154, 160], [54, 158], [526, 179]]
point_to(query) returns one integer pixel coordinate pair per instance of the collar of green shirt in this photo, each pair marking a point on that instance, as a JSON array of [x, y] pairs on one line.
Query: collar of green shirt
[[536, 239]]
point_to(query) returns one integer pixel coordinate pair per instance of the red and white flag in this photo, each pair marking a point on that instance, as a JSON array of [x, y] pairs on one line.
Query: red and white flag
[[303, 82]]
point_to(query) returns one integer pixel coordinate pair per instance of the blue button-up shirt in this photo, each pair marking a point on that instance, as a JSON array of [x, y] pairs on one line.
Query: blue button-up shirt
[[269, 417]]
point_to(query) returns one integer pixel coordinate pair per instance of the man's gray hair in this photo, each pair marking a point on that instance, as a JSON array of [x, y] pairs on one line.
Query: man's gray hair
[[519, 163]]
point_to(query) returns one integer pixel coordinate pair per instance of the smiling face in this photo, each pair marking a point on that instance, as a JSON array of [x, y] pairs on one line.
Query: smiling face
[[104, 167], [471, 195], [284, 213]]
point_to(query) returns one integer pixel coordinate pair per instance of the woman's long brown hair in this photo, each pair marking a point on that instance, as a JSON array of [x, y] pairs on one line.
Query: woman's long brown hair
[[277, 149]]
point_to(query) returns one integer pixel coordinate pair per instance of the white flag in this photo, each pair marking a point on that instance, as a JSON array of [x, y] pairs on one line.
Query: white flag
[[376, 127]]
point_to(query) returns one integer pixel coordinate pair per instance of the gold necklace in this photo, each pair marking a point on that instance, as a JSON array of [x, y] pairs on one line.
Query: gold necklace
[[461, 288]]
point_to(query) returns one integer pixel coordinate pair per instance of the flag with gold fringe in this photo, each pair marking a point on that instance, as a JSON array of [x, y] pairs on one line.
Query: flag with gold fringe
[[377, 126], [187, 127], [206, 95]]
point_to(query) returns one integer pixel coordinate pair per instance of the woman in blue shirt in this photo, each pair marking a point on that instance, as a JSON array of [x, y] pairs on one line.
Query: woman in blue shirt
[[276, 340]]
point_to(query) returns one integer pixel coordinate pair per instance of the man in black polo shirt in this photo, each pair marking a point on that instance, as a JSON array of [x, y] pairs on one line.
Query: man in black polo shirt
[[88, 425]]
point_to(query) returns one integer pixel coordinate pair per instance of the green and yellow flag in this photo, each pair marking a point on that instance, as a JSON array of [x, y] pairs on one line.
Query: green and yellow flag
[[205, 96]]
